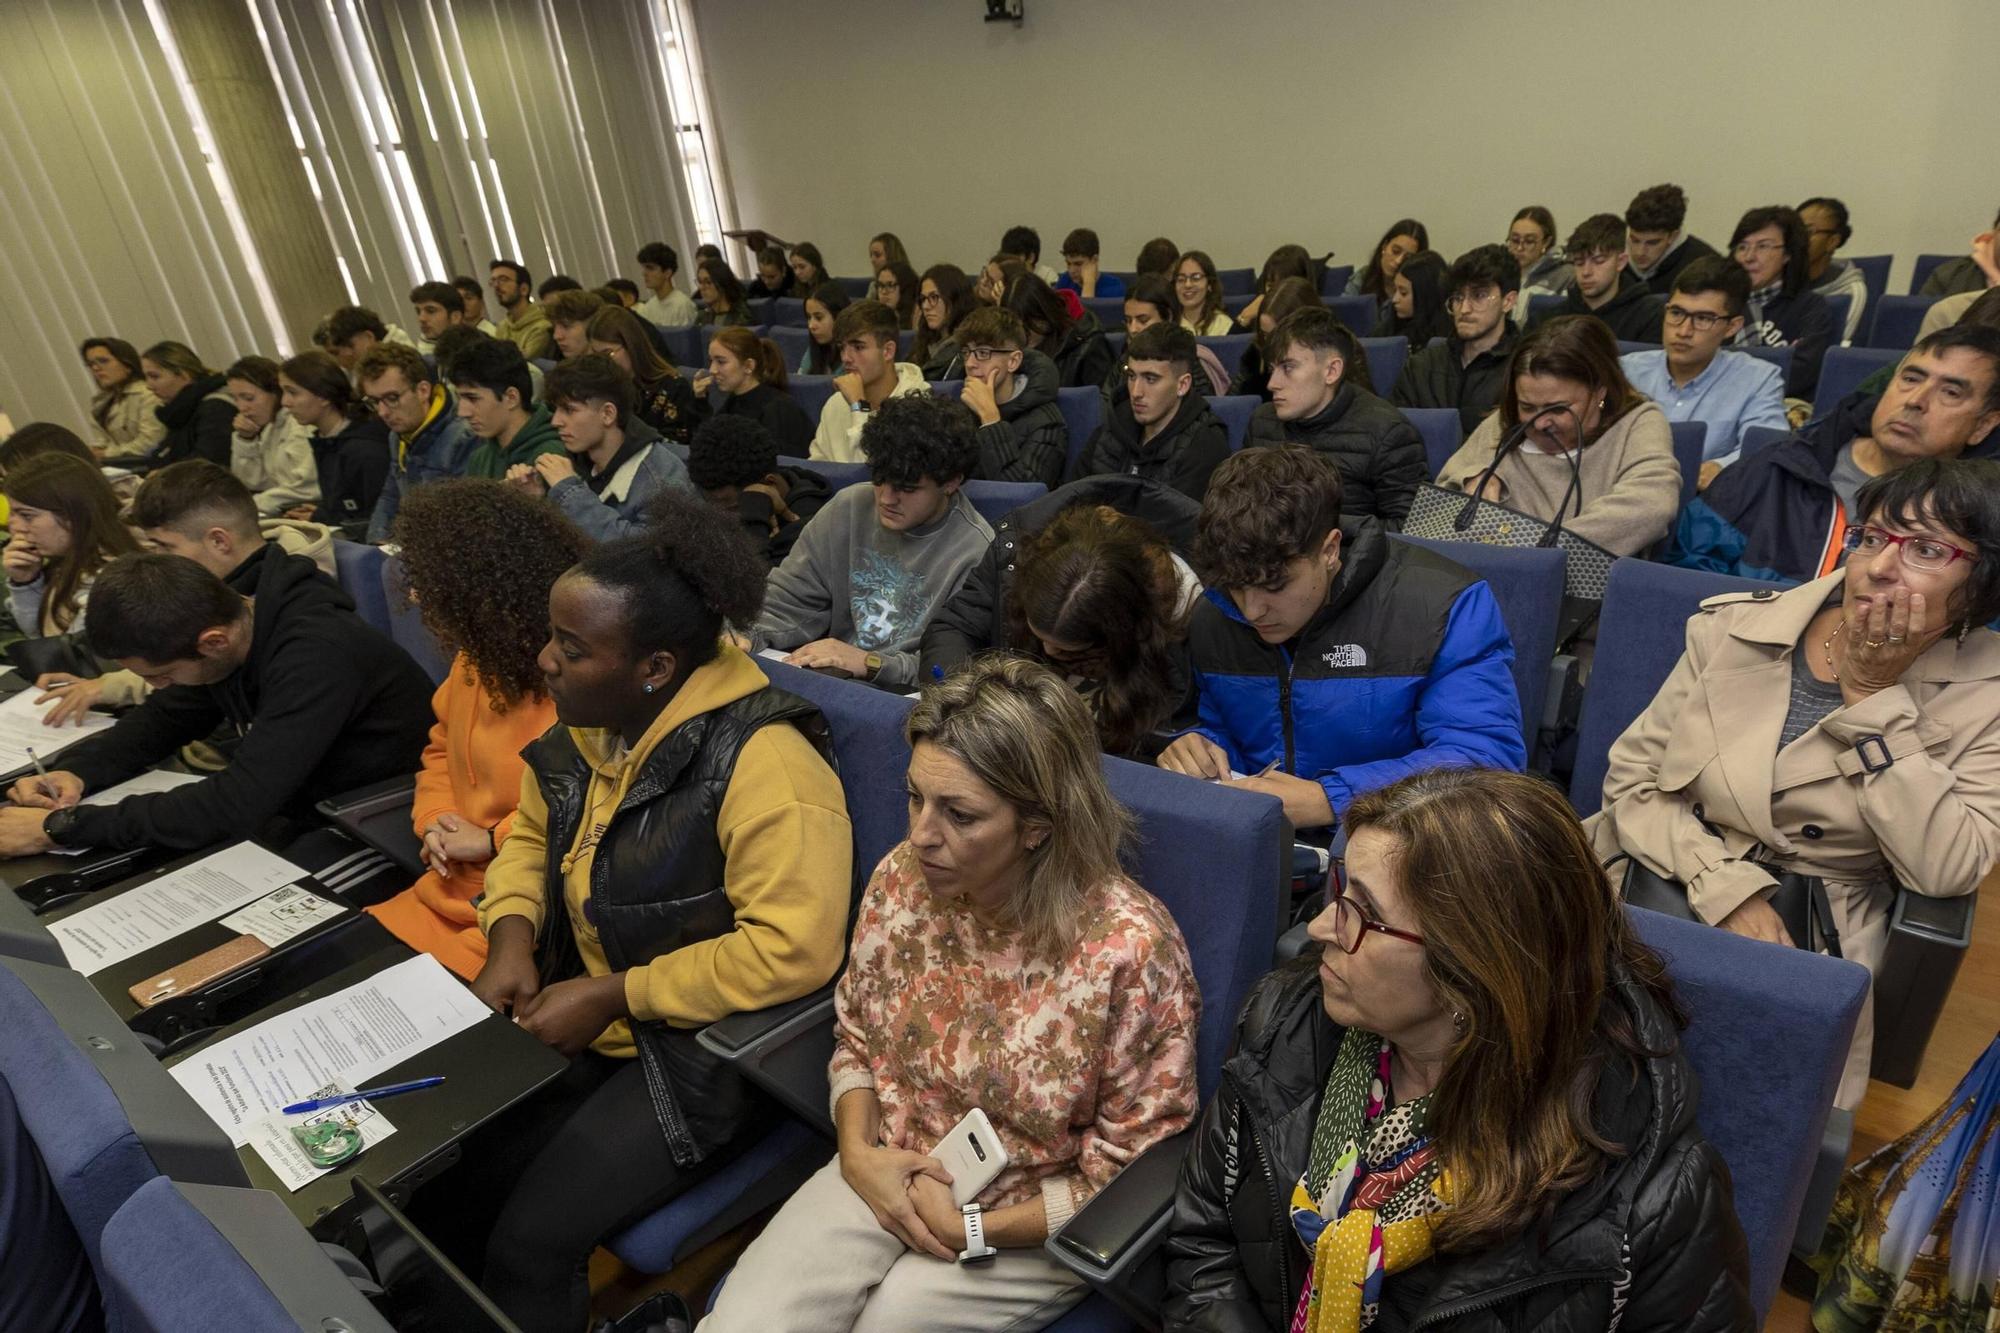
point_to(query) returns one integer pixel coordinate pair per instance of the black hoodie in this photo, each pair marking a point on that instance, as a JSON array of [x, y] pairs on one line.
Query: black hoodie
[[352, 467], [806, 492], [324, 704], [1083, 356], [1030, 441], [1183, 455], [776, 411], [200, 422], [1633, 312]]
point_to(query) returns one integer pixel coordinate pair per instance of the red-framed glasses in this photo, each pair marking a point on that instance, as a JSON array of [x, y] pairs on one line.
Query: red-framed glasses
[[1350, 923]]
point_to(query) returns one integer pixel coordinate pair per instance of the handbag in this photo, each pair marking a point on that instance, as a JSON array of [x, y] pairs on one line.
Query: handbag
[[1799, 900]]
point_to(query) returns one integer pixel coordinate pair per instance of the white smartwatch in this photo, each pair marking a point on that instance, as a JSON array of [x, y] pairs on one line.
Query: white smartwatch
[[976, 1250]]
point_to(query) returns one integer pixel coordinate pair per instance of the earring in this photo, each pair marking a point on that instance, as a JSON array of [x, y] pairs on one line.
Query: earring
[[1458, 1023], [647, 688]]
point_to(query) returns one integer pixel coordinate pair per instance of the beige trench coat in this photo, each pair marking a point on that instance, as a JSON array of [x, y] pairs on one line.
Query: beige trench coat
[[1709, 743]]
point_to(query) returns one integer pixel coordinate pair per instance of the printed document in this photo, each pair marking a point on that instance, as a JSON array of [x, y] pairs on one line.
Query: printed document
[[21, 730], [127, 924]]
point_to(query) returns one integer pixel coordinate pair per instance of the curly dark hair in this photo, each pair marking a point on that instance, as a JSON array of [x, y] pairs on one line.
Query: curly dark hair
[[1264, 508], [1103, 580], [731, 451], [691, 571], [920, 436], [480, 557]]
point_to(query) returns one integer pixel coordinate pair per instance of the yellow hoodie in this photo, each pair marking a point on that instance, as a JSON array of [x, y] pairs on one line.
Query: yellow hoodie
[[788, 854]]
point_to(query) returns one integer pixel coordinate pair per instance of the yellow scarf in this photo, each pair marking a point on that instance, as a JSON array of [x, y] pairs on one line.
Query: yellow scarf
[[1341, 1262]]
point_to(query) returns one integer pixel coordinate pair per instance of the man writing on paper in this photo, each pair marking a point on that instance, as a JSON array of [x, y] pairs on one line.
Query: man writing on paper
[[322, 702]]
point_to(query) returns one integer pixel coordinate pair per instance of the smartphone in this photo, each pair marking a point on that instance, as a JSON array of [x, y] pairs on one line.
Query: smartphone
[[973, 1155], [199, 971]]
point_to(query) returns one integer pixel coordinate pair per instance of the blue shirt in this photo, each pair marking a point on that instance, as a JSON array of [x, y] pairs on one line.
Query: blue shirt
[[1737, 391], [1107, 286]]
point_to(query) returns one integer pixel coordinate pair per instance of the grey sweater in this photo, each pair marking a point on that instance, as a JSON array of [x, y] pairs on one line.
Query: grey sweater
[[850, 578]]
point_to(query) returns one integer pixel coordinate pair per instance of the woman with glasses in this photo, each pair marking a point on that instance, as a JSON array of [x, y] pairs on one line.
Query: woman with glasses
[[1531, 239], [1418, 1128], [1770, 244], [944, 297], [896, 287], [1842, 730], [123, 413], [1198, 293]]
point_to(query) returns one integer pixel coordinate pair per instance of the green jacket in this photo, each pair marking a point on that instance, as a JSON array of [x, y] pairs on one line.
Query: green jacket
[[533, 440]]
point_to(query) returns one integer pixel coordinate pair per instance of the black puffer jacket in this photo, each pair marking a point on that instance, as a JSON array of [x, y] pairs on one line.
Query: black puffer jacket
[[1083, 354], [1435, 376], [1030, 441], [1379, 453], [200, 422], [1633, 312], [1184, 453], [1660, 1217]]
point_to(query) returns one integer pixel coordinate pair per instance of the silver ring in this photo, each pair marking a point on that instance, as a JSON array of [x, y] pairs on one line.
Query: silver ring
[[1897, 638]]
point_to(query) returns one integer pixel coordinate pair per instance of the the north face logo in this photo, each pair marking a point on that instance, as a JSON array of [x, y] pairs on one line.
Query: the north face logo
[[1347, 655]]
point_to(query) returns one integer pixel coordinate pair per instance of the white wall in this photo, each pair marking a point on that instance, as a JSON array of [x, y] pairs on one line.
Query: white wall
[[1236, 127]]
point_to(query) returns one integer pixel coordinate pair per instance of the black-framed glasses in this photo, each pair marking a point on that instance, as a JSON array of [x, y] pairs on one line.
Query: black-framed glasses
[[1190, 279], [1350, 923], [985, 353], [930, 298], [391, 400], [1703, 320], [1924, 553]]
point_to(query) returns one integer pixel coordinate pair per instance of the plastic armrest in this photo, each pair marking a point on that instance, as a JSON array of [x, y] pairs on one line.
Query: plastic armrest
[[371, 799], [745, 1035], [1113, 1242], [1564, 698], [1946, 921], [784, 1050], [378, 816]]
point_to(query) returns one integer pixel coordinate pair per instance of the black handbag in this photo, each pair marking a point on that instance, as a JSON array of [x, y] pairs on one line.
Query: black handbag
[[1799, 900]]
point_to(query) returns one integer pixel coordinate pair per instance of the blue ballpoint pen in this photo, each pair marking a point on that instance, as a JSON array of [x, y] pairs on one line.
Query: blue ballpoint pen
[[364, 1095]]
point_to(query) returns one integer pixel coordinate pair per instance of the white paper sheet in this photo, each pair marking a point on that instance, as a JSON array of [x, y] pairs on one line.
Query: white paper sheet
[[775, 654], [272, 1137], [21, 729], [147, 783], [277, 917], [342, 1038], [107, 933]]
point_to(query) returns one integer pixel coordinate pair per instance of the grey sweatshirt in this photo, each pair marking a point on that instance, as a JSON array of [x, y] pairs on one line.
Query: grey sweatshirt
[[850, 578]]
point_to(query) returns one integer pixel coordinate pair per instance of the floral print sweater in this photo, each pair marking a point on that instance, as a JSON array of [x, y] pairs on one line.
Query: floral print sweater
[[1081, 1064]]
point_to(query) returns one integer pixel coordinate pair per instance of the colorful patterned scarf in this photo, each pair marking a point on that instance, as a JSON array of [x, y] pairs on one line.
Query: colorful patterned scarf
[[1372, 1192]]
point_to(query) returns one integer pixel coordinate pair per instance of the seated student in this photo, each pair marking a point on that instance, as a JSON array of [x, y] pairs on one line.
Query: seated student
[[1376, 278], [271, 450], [667, 401], [1596, 253], [896, 287], [1655, 246], [1025, 244], [1531, 240], [1467, 369], [877, 560], [1780, 514], [438, 306], [734, 462], [322, 704], [527, 323], [1432, 1181], [560, 282], [991, 283], [1081, 273], [1315, 402], [666, 306], [1198, 296], [612, 464], [808, 269], [1416, 303], [822, 307], [705, 252], [350, 445], [721, 295], [1150, 302], [569, 317], [1156, 260], [944, 297], [62, 528], [1012, 391], [36, 438], [1827, 229], [1693, 379], [1333, 662], [885, 248], [681, 853], [1573, 413], [1967, 273], [1287, 261], [353, 331], [867, 336], [124, 414], [474, 297], [750, 372], [495, 400], [1004, 914], [1771, 720], [1951, 310], [1078, 347], [478, 560], [774, 275], [195, 406], [627, 292], [1784, 311], [431, 439], [1159, 428], [1253, 371]]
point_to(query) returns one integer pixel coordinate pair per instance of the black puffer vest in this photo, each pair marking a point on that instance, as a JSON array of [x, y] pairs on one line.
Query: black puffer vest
[[656, 886]]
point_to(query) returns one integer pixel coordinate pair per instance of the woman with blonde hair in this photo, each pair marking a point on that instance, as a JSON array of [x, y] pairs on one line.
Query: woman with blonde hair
[[1004, 963]]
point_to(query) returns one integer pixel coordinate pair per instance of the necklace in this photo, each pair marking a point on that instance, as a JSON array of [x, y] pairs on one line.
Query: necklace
[[1827, 649]]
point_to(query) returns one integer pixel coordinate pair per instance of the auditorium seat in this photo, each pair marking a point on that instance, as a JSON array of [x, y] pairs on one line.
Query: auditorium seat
[[857, 288], [794, 342], [839, 476], [996, 499], [1386, 357], [1690, 439], [1234, 411], [360, 569], [406, 624], [788, 311], [1781, 357], [1897, 320], [1844, 369], [1238, 281], [1875, 275], [1921, 269], [1543, 304], [810, 392], [1840, 303], [1082, 413], [1116, 339], [1442, 430], [1333, 280], [1109, 310], [1358, 313], [1228, 349], [1756, 438]]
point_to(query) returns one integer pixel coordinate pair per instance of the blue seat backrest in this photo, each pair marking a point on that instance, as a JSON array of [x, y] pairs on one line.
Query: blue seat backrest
[[1641, 634], [1213, 856], [1760, 437], [948, 388], [838, 475], [1358, 313], [1442, 430], [1844, 369], [406, 624], [689, 345], [1840, 304], [788, 311], [360, 569], [1235, 410], [1238, 281], [1543, 304], [1228, 349], [1527, 583], [1875, 274], [810, 392], [867, 729], [1110, 310], [1116, 338], [1125, 276], [1767, 1035], [1385, 361], [1332, 279], [996, 499], [167, 1268], [794, 342], [1082, 413], [1897, 320], [1626, 347], [856, 287], [1781, 357], [1921, 269], [1690, 438]]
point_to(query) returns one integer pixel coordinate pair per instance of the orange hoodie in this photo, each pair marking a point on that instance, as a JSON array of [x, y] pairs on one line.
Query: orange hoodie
[[472, 768]]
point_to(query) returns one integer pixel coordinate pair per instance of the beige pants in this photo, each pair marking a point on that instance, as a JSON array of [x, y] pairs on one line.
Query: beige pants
[[1861, 915], [823, 1264]]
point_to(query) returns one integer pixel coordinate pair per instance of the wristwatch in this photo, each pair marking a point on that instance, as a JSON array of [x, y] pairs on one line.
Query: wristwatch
[[873, 663], [976, 1250], [60, 825]]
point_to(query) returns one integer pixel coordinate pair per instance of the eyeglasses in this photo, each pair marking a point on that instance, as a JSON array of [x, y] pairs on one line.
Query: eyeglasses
[[1524, 242], [1921, 553], [1190, 279], [1749, 249], [1350, 924], [930, 298], [986, 353], [391, 400], [1471, 300], [1704, 320]]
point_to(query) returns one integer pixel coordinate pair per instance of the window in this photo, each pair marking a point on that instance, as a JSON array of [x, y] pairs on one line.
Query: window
[[687, 92]]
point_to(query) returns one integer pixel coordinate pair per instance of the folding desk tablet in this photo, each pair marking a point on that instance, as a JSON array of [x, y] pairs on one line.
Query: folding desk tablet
[[487, 1068], [299, 961], [378, 816]]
